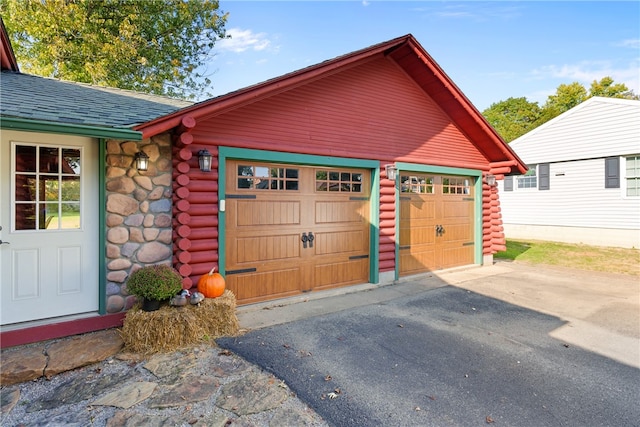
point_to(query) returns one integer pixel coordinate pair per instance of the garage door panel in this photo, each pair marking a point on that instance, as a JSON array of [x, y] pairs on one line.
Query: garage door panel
[[251, 287], [456, 209], [456, 256], [418, 208], [340, 242], [415, 260], [458, 232], [339, 212], [267, 248], [341, 273], [417, 235], [266, 212]]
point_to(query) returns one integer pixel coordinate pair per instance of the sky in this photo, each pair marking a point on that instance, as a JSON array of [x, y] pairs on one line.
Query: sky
[[492, 50]]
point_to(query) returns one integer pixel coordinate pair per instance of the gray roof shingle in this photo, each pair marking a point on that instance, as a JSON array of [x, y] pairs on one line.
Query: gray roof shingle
[[38, 98]]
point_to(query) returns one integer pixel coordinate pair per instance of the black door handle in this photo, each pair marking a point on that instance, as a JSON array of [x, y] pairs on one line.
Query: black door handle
[[311, 239], [305, 239]]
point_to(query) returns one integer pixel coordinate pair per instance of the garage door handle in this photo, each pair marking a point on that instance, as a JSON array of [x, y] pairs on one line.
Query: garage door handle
[[439, 230], [311, 239], [305, 239], [4, 243]]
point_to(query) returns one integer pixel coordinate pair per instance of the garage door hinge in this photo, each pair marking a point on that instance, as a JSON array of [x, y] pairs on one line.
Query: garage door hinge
[[244, 270]]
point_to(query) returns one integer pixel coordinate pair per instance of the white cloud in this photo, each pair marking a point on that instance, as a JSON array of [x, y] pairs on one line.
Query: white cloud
[[243, 40], [631, 43], [586, 72]]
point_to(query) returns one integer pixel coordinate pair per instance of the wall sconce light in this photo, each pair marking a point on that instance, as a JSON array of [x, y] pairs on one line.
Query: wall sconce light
[[142, 161], [392, 171], [491, 180], [204, 158]]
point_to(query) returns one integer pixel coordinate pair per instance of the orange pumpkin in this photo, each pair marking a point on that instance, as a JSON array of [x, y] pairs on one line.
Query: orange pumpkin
[[211, 285]]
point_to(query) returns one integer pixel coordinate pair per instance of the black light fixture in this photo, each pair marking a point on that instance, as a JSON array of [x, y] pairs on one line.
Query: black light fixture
[[204, 158], [392, 171], [491, 180], [142, 161]]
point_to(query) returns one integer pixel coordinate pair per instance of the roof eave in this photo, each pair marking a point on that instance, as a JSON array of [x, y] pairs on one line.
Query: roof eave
[[27, 125]]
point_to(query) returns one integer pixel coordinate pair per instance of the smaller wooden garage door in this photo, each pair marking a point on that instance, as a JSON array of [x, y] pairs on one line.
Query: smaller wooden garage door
[[292, 229], [436, 222]]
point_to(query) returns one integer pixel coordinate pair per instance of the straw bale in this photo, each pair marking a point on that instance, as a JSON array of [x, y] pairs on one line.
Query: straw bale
[[171, 328]]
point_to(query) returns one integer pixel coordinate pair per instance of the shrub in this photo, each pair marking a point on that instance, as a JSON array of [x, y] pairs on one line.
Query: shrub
[[159, 282]]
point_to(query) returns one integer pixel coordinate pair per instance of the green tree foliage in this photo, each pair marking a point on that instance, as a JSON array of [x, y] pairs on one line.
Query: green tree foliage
[[565, 98], [152, 46], [516, 116], [513, 117], [606, 88]]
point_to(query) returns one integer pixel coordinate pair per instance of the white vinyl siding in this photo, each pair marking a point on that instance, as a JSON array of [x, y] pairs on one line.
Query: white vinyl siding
[[576, 198], [597, 128]]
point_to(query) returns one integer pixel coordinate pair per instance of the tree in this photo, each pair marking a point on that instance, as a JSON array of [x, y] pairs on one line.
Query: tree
[[513, 117], [606, 88], [516, 116], [152, 46], [565, 98]]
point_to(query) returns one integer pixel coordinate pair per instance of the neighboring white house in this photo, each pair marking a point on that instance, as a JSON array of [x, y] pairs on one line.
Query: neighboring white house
[[583, 185]]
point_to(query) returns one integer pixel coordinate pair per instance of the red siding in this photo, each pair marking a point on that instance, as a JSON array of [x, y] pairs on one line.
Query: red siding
[[372, 111]]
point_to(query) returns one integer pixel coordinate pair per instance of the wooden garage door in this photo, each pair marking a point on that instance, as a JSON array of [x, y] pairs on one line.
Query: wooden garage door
[[436, 222], [292, 229]]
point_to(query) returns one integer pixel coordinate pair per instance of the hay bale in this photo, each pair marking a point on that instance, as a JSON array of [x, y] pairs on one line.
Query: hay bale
[[171, 328]]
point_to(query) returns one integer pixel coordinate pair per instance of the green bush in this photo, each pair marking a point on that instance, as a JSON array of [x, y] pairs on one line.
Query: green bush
[[159, 282]]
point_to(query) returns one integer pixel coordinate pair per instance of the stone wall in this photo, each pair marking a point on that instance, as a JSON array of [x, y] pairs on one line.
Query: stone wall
[[138, 213]]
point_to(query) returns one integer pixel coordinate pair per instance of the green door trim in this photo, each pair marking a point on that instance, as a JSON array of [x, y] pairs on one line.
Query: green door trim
[[443, 170], [226, 153], [102, 227]]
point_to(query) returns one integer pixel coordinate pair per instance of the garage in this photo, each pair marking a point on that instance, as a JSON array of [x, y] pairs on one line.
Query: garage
[[294, 228], [436, 222]]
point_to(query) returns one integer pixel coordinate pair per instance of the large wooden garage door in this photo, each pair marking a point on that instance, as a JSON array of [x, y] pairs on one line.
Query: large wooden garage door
[[436, 222], [292, 229]]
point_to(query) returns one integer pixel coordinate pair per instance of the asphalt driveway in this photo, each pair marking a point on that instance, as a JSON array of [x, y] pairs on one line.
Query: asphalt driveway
[[437, 352]]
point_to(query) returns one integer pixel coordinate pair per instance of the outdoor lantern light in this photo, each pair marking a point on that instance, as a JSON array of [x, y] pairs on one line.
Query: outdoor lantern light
[[142, 161], [204, 158], [391, 171], [491, 180]]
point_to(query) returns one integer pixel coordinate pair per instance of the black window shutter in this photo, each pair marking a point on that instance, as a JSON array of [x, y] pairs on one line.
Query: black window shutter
[[543, 176], [508, 183], [611, 172]]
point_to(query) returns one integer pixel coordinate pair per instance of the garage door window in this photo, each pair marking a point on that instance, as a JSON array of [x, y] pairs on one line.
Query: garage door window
[[456, 186], [417, 184], [256, 177], [338, 181]]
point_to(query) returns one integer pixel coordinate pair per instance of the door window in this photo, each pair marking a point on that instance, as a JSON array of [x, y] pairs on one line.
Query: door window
[[46, 190]]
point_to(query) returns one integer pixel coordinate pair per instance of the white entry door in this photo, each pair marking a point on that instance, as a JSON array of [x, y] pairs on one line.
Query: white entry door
[[49, 219]]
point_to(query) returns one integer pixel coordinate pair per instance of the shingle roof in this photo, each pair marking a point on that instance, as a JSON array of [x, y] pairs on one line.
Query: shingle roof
[[31, 97]]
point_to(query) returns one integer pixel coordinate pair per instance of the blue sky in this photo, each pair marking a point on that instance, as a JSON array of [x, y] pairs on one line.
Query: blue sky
[[491, 50]]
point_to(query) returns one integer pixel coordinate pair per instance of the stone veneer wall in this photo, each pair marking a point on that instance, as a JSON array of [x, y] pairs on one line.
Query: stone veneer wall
[[138, 216]]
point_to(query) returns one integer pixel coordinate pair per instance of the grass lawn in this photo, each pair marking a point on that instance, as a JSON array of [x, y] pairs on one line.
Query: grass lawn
[[583, 257]]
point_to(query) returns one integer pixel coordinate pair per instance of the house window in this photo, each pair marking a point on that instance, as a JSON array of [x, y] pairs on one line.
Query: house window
[[529, 179], [633, 175], [46, 187]]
